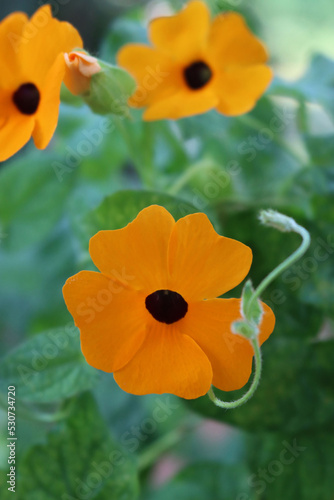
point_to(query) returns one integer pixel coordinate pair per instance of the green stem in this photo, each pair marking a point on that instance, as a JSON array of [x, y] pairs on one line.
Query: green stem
[[256, 379], [183, 179], [147, 147], [160, 446], [302, 117], [133, 151], [285, 224]]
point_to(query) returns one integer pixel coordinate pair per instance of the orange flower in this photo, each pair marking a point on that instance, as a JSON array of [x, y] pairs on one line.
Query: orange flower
[[151, 315], [196, 65], [32, 69]]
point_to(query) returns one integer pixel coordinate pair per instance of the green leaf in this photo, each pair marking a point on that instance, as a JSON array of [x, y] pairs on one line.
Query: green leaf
[[321, 149], [5, 493], [117, 210], [313, 277], [251, 310], [110, 90], [48, 367], [208, 481], [31, 200], [80, 460], [292, 467], [295, 392], [296, 315], [248, 149], [245, 329]]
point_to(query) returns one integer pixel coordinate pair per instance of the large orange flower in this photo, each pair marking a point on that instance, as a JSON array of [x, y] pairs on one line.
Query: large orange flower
[[196, 65], [151, 315], [32, 69]]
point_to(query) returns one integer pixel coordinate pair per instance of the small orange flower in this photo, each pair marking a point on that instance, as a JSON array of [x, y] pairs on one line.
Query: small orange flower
[[151, 315], [32, 70], [80, 67], [196, 65]]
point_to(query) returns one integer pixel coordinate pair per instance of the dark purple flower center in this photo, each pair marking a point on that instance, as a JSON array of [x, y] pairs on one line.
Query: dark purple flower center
[[197, 75], [166, 306], [26, 98]]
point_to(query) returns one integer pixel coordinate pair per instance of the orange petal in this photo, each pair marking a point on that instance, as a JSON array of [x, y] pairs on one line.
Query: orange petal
[[155, 74], [80, 67], [45, 38], [184, 35], [209, 324], [183, 103], [240, 88], [167, 362], [48, 110], [232, 43], [15, 128], [10, 39], [110, 319], [202, 263], [137, 254]]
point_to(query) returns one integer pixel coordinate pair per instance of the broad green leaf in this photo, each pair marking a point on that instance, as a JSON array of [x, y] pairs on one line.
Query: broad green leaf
[[80, 460], [321, 149], [31, 200], [255, 163], [5, 493], [313, 276], [117, 210], [208, 481], [31, 283], [309, 183], [291, 467], [294, 314], [295, 391], [48, 367]]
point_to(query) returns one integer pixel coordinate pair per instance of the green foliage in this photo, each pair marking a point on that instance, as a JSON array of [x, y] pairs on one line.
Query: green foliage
[[30, 185], [315, 86], [321, 149], [49, 367], [208, 480], [98, 173], [79, 460], [117, 210], [279, 402], [291, 467]]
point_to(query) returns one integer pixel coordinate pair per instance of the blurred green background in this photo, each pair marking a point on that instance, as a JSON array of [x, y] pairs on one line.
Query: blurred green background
[[79, 435]]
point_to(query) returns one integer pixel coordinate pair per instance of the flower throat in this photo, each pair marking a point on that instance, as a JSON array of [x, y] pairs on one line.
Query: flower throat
[[197, 75], [26, 98], [166, 306]]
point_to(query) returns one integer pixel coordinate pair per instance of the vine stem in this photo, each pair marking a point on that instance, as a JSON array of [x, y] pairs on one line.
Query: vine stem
[[162, 445], [256, 379], [145, 176], [285, 224], [187, 175]]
